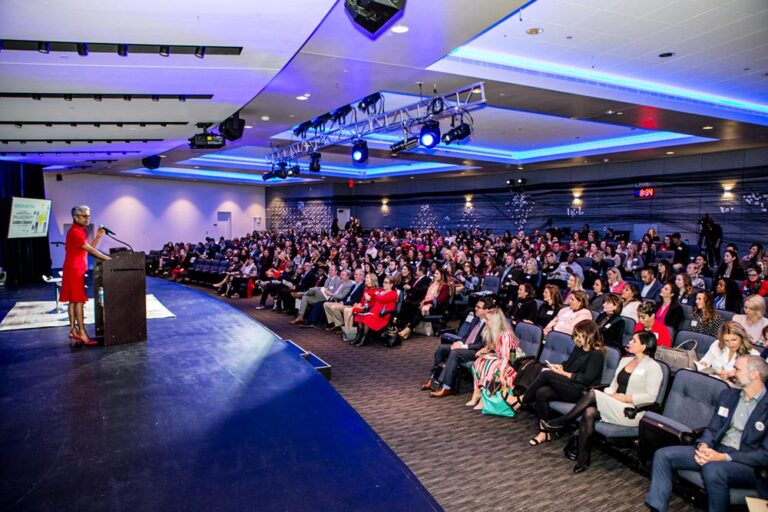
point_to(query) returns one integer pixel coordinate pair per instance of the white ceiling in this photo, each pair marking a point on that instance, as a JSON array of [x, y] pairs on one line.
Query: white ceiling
[[311, 46]]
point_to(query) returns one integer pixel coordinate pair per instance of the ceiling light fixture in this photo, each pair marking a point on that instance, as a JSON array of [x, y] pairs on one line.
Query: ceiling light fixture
[[302, 98], [314, 161], [708, 127], [666, 55], [248, 127], [97, 97], [122, 50], [670, 152], [165, 51], [44, 47], [82, 49], [264, 118], [370, 101], [404, 145], [400, 29], [534, 31], [340, 114], [359, 151], [461, 132], [200, 52]]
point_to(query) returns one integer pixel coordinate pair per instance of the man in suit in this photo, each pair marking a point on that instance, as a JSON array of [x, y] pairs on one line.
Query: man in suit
[[334, 309], [458, 352], [304, 279], [729, 450], [508, 285], [651, 286], [336, 289]]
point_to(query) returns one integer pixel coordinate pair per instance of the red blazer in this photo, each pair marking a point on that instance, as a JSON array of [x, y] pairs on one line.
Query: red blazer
[[382, 301], [663, 338]]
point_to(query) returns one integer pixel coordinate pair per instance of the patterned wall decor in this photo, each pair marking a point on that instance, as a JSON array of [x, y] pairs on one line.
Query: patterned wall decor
[[286, 214]]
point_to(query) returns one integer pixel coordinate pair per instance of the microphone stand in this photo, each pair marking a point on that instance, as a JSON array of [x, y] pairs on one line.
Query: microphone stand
[[120, 241]]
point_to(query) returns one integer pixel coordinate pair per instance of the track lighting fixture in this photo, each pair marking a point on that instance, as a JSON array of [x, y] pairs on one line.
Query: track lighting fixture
[[122, 50], [430, 133], [314, 161], [359, 151]]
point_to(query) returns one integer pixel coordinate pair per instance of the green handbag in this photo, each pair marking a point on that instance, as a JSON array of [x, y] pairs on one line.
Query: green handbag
[[496, 405]]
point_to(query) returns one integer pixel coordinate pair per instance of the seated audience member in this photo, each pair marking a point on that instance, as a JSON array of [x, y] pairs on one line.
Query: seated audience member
[[630, 301], [611, 323], [492, 365], [437, 296], [377, 311], [727, 295], [366, 301], [753, 256], [524, 309], [616, 283], [632, 263], [730, 268], [551, 306], [670, 312], [306, 279], [461, 351], [685, 295], [729, 451], [566, 382], [637, 381], [530, 273], [666, 273], [576, 310], [753, 320], [566, 269], [754, 284], [414, 294], [336, 288], [647, 252], [234, 280], [732, 342], [573, 284], [600, 287], [336, 311], [274, 286], [692, 271], [651, 285], [701, 264], [648, 322], [704, 318]]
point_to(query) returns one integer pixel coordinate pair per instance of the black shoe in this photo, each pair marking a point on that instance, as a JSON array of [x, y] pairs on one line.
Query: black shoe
[[580, 468], [553, 426], [361, 342]]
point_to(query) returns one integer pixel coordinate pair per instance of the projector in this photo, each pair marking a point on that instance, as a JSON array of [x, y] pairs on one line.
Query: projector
[[206, 141]]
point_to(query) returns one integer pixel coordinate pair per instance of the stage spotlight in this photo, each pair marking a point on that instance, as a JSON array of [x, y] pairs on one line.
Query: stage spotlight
[[458, 133], [430, 133], [340, 114], [319, 121], [268, 175], [369, 101], [282, 169], [373, 14], [82, 49], [165, 51], [44, 47], [200, 52], [404, 145], [151, 162], [301, 130], [314, 161], [232, 127], [293, 170], [359, 151], [122, 50], [516, 183]]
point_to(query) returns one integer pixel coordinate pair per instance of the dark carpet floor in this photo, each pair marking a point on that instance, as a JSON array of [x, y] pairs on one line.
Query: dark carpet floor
[[466, 460]]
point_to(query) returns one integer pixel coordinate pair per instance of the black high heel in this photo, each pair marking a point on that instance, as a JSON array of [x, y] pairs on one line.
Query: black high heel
[[553, 427], [535, 442], [358, 337]]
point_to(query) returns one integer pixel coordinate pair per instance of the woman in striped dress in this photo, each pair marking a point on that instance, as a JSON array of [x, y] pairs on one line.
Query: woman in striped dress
[[494, 361]]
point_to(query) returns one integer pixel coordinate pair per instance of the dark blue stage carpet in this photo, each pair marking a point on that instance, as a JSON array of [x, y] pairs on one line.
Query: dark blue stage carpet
[[212, 413]]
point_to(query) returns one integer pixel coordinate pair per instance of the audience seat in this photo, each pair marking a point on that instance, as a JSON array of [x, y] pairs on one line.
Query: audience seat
[[530, 337], [686, 323], [665, 255], [556, 348], [629, 330], [727, 315], [610, 364]]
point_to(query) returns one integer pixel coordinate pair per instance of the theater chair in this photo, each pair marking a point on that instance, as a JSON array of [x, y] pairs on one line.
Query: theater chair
[[691, 403], [556, 348], [530, 337]]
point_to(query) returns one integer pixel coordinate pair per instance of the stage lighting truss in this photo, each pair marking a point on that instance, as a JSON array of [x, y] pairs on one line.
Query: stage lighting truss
[[459, 130], [337, 131]]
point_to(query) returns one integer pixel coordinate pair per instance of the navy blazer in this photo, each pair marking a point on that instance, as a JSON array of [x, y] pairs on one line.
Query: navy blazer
[[754, 440], [479, 341], [355, 294], [653, 293]]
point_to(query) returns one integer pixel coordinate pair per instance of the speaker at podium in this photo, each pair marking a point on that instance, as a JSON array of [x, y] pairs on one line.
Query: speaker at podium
[[120, 295]]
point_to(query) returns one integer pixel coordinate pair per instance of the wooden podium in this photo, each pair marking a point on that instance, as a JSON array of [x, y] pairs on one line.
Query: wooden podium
[[121, 310]]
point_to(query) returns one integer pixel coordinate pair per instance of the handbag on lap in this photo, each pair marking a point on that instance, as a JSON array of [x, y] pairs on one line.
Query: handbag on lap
[[682, 356]]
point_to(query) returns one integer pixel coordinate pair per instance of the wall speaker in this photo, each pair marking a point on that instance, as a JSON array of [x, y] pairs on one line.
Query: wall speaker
[[373, 14], [151, 162]]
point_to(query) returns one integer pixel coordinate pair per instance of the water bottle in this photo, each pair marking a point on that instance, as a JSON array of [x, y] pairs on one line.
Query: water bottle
[[101, 296]]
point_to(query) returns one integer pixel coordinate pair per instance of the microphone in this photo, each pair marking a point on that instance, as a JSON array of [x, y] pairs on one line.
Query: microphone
[[106, 229]]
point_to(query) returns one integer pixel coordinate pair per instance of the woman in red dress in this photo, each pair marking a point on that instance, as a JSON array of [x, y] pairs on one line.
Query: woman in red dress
[[377, 317], [75, 265]]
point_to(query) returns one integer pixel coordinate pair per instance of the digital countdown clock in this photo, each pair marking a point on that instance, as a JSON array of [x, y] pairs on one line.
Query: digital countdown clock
[[645, 192]]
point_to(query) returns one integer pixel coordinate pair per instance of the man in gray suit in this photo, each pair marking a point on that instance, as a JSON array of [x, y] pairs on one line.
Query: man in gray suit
[[337, 286]]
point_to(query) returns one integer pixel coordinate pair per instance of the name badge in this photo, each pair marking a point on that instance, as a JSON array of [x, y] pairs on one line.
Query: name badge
[[640, 371], [607, 326], [723, 411], [759, 426], [550, 312], [694, 323]]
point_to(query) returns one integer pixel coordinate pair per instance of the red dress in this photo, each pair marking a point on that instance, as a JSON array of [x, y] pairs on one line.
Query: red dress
[[75, 266], [381, 301]]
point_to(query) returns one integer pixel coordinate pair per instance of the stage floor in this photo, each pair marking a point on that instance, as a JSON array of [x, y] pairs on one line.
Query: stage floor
[[212, 413]]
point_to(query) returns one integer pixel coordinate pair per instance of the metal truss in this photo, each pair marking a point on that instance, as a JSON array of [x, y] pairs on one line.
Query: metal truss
[[461, 100]]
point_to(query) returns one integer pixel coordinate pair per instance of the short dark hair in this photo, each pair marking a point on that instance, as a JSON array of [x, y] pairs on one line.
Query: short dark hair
[[647, 308], [648, 339]]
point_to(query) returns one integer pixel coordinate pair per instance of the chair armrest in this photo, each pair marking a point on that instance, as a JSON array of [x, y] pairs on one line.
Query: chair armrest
[[599, 387], [631, 412], [447, 330]]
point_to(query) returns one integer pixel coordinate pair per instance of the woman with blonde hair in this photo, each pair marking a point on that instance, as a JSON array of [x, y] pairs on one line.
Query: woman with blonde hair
[[753, 320], [492, 365], [732, 342]]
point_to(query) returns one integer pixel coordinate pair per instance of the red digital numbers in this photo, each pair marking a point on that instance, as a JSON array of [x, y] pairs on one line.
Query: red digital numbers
[[645, 192]]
